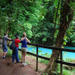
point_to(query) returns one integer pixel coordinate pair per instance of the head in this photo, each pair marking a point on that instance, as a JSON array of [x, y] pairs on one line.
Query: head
[[24, 34], [16, 36], [5, 34]]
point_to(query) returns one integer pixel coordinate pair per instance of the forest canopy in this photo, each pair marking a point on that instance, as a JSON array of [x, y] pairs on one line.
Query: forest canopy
[[38, 18]]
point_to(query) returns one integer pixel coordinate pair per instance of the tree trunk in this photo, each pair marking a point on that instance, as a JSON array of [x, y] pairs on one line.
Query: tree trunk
[[66, 17]]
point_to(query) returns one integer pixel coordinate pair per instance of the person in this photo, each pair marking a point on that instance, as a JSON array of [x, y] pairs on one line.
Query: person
[[24, 41], [4, 45], [1, 42], [15, 51]]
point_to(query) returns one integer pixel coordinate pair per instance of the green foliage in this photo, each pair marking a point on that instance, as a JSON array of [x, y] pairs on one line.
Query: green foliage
[[43, 61], [66, 72], [68, 60], [35, 17], [71, 35], [21, 18], [9, 54]]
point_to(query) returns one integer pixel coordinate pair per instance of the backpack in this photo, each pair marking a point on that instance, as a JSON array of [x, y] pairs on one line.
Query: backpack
[[12, 45]]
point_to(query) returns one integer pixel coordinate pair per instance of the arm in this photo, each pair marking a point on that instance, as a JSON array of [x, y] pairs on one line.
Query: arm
[[21, 40], [18, 41], [9, 39], [27, 40]]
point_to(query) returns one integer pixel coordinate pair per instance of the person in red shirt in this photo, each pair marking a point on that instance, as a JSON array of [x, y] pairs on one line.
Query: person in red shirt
[[17, 41], [15, 51]]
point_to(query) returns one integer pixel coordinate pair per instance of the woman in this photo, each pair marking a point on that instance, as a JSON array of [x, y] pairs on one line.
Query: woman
[[24, 41]]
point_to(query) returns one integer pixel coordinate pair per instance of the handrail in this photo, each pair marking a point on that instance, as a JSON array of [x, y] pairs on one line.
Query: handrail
[[57, 61], [65, 63], [54, 48], [46, 58], [50, 47]]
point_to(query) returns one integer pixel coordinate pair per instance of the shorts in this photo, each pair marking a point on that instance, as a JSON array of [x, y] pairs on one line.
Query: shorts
[[5, 49], [24, 50]]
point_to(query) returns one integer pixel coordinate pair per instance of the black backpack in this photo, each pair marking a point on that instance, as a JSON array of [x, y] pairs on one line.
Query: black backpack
[[12, 45]]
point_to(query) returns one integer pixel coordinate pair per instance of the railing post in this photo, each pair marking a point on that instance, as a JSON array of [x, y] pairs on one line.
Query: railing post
[[61, 66], [37, 58]]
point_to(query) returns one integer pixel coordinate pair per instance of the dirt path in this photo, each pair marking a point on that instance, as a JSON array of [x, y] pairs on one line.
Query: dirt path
[[7, 68]]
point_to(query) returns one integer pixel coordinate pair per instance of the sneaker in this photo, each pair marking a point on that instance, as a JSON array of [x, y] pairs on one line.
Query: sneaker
[[24, 64]]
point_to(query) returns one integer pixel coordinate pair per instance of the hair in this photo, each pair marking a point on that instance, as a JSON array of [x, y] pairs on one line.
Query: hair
[[5, 34], [16, 35], [24, 34]]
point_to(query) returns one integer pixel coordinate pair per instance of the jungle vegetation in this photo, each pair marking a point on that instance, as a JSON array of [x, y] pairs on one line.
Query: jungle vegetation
[[40, 19]]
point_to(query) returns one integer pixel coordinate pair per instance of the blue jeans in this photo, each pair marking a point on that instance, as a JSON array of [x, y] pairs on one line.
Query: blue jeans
[[5, 49], [15, 55]]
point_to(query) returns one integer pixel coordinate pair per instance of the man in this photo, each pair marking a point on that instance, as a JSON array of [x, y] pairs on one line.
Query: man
[[15, 51], [5, 49]]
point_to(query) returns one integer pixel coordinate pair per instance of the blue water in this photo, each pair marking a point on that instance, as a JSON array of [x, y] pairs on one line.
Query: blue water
[[48, 52], [68, 55]]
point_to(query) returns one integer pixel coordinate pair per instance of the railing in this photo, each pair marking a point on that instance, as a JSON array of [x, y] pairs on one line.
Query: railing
[[46, 58]]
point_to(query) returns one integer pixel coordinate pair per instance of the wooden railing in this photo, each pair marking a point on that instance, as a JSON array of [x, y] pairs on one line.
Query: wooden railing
[[61, 62]]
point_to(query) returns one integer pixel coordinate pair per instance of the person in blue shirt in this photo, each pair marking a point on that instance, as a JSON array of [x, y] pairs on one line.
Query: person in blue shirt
[[4, 45], [24, 41]]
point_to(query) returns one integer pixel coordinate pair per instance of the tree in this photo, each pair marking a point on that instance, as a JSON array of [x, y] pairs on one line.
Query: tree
[[19, 16], [66, 17]]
